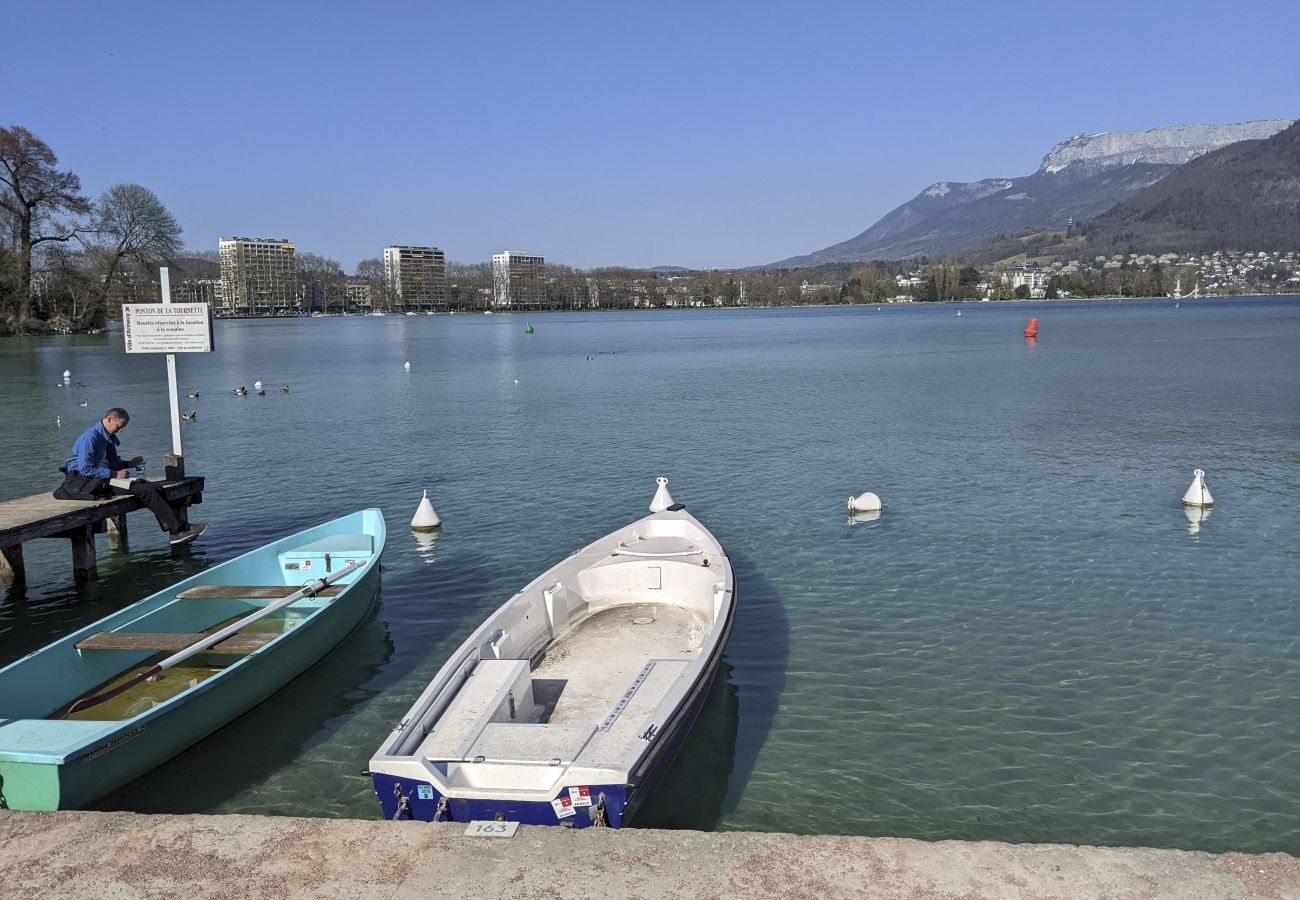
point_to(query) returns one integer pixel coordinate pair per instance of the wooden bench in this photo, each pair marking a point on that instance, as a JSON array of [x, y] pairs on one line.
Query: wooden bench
[[42, 516], [251, 591], [174, 641]]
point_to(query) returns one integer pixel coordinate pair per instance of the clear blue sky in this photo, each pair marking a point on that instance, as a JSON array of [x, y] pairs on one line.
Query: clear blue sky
[[698, 134]]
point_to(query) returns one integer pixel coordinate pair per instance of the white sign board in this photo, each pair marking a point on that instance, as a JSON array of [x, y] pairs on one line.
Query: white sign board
[[167, 327]]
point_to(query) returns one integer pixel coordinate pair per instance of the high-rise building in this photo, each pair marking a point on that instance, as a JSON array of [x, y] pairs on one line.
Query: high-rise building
[[416, 277], [259, 276], [518, 280]]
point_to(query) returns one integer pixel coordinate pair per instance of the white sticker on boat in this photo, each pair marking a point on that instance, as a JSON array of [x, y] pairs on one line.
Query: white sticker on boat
[[305, 564], [581, 796], [424, 791], [483, 828], [563, 807]]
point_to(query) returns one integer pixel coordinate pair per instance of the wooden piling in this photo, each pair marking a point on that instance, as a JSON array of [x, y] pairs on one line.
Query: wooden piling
[[117, 533], [83, 553], [11, 565]]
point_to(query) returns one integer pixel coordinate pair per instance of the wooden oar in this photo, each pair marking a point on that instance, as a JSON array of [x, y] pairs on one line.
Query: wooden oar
[[308, 590]]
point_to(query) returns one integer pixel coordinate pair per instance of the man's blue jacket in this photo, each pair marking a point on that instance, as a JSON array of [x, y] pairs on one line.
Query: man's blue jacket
[[95, 454]]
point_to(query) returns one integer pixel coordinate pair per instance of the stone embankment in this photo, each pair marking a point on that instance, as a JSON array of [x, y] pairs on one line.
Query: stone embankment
[[123, 855]]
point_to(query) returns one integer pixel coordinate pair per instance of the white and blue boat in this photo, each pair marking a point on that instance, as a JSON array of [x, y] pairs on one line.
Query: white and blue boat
[[568, 704], [109, 702]]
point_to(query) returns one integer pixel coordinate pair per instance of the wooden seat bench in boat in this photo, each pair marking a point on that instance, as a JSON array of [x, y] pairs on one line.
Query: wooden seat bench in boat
[[250, 591], [173, 641]]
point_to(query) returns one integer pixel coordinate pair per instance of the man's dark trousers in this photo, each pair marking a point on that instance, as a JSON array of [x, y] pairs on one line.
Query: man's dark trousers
[[84, 487]]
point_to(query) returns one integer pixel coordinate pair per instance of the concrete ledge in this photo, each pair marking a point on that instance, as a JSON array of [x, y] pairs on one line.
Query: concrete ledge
[[124, 855]]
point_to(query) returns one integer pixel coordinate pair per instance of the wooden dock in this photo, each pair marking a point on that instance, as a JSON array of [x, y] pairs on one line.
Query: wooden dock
[[78, 521]]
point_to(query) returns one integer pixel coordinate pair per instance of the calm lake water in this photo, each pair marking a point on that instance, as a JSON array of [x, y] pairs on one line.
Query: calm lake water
[[1032, 643]]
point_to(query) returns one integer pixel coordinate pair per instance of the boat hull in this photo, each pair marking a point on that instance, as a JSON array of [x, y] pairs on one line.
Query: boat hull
[[65, 771], [404, 798]]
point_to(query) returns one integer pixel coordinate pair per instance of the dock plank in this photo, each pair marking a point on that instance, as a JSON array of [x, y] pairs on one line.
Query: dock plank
[[41, 515], [173, 641]]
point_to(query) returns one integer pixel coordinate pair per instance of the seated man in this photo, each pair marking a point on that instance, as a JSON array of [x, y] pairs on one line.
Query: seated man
[[94, 463]]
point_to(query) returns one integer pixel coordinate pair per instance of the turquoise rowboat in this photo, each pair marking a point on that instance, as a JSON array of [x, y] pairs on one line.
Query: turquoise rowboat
[[108, 703]]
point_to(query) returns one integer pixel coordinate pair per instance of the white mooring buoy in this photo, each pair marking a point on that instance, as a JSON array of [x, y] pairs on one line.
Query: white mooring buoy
[[425, 518], [662, 499], [67, 374], [867, 502], [1198, 494], [407, 365]]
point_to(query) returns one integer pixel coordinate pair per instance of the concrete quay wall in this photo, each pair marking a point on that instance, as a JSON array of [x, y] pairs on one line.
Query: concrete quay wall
[[106, 856]]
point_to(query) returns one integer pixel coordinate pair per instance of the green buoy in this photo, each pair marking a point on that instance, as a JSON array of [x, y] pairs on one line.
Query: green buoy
[[528, 328]]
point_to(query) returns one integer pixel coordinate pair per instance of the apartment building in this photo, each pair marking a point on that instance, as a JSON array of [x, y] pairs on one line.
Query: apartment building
[[356, 291], [259, 276], [415, 277], [518, 280]]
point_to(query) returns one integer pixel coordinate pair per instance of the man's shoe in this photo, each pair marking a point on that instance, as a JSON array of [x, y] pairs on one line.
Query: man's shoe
[[184, 537]]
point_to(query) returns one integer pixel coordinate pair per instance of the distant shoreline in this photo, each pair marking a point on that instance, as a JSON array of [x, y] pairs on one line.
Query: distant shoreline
[[659, 309]]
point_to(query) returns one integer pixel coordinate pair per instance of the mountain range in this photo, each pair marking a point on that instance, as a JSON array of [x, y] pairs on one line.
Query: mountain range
[[1245, 196], [1081, 177]]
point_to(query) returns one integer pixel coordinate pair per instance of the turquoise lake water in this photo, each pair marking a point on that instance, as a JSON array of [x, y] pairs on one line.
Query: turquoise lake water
[[1032, 643]]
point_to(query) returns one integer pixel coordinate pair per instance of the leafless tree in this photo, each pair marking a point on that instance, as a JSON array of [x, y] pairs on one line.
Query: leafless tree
[[322, 281], [370, 268], [130, 223], [44, 201]]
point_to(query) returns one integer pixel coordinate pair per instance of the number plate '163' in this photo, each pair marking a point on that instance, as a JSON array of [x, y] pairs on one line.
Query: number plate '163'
[[480, 828]]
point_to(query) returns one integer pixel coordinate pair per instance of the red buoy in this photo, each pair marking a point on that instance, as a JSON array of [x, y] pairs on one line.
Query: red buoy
[[1031, 330]]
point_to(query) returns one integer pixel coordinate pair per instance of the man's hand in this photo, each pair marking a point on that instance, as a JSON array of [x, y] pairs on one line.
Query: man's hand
[[120, 473]]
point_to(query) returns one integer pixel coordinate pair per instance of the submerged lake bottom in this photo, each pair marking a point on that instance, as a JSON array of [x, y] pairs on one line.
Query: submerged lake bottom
[[1033, 642]]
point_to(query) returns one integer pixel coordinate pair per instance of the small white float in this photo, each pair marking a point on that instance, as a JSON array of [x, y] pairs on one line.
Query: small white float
[[662, 499], [407, 364], [425, 518], [867, 502], [1198, 494]]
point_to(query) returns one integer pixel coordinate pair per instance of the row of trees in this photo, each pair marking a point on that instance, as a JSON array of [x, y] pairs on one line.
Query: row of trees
[[62, 252]]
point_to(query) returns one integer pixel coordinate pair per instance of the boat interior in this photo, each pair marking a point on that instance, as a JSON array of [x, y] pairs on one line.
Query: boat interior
[[575, 669], [111, 658]]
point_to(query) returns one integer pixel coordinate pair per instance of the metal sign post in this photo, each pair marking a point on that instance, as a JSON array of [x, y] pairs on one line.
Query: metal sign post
[[165, 278]]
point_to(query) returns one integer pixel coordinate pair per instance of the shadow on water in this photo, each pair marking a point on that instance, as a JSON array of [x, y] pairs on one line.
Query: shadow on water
[[693, 791], [270, 736], [720, 754]]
